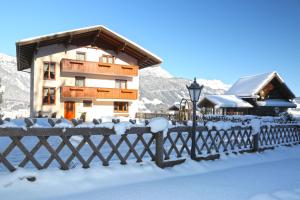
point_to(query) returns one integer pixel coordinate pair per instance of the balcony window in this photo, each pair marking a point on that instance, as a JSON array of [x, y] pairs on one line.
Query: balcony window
[[49, 70], [121, 106], [108, 59], [79, 81], [48, 96], [121, 84], [80, 56], [87, 103]]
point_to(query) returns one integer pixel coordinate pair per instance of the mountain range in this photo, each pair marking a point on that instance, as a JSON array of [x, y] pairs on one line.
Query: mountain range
[[17, 87], [158, 88]]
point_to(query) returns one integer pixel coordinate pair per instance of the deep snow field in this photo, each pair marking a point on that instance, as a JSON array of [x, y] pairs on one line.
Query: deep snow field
[[270, 175]]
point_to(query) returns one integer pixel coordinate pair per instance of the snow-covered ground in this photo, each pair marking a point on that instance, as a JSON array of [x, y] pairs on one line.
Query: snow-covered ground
[[270, 175]]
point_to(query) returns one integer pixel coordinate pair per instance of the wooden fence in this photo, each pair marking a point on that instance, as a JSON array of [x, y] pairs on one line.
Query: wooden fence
[[66, 148], [279, 135], [209, 143]]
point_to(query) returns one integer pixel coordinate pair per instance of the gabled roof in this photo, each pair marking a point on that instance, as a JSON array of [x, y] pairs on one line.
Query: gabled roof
[[249, 86], [98, 35], [226, 101], [175, 106]]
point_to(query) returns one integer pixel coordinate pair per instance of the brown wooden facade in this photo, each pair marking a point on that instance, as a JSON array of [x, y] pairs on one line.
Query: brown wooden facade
[[99, 68], [74, 92]]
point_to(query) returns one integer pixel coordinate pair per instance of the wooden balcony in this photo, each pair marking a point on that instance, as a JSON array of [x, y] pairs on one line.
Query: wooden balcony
[[87, 67], [98, 93]]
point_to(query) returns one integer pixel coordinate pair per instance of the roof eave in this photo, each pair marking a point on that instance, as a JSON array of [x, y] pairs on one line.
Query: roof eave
[[275, 75], [24, 63]]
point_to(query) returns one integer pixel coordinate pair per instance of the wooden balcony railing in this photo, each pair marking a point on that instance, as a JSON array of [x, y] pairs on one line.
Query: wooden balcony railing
[[87, 67], [98, 93]]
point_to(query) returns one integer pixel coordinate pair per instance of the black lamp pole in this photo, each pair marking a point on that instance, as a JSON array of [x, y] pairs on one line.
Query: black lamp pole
[[194, 92], [193, 149]]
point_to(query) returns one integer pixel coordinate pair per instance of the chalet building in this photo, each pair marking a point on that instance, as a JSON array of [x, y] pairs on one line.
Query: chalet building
[[91, 71], [263, 94]]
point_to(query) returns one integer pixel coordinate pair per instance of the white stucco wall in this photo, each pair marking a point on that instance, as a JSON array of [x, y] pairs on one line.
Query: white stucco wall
[[54, 53]]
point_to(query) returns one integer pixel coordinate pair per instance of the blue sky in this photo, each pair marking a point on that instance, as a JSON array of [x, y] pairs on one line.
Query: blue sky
[[211, 39]]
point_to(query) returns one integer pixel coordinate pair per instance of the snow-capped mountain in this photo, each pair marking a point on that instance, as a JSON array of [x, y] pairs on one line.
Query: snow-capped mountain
[[156, 71], [17, 87], [159, 89]]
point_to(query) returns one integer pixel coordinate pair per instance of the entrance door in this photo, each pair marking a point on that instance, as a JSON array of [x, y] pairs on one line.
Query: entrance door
[[69, 110]]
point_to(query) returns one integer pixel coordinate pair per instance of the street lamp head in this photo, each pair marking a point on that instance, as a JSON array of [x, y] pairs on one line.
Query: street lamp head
[[194, 91]]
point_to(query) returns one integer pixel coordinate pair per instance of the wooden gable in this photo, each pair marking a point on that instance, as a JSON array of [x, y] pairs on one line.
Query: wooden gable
[[275, 89], [97, 36]]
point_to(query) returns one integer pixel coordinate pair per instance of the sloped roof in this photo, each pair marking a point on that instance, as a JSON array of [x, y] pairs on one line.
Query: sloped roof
[[226, 101], [175, 106], [99, 35], [249, 86]]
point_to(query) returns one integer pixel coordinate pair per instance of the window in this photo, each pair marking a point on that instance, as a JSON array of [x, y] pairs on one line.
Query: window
[[79, 81], [121, 83], [49, 70], [121, 106], [87, 103], [48, 96], [108, 59], [80, 56]]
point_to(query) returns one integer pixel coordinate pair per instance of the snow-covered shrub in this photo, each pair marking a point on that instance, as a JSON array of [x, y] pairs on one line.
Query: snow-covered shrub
[[120, 128], [29, 122], [158, 124], [287, 116], [76, 122], [97, 121], [115, 121], [63, 123], [133, 121]]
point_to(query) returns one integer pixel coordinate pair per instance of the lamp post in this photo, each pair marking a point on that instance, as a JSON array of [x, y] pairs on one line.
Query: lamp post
[[194, 92]]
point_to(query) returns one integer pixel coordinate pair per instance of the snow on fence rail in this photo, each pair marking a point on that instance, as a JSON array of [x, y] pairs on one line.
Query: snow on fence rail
[[66, 148]]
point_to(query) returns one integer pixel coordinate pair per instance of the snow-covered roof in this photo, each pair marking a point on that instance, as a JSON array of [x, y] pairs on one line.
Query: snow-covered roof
[[249, 86], [175, 106], [226, 101], [81, 34], [276, 103]]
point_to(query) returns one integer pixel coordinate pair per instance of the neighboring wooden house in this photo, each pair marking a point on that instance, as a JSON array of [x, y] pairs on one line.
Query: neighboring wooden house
[[264, 94], [224, 104], [174, 108], [90, 70]]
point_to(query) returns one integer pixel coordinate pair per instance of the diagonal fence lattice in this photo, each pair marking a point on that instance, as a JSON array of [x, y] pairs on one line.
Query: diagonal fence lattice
[[214, 141], [67, 148], [271, 136], [209, 142], [99, 145]]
